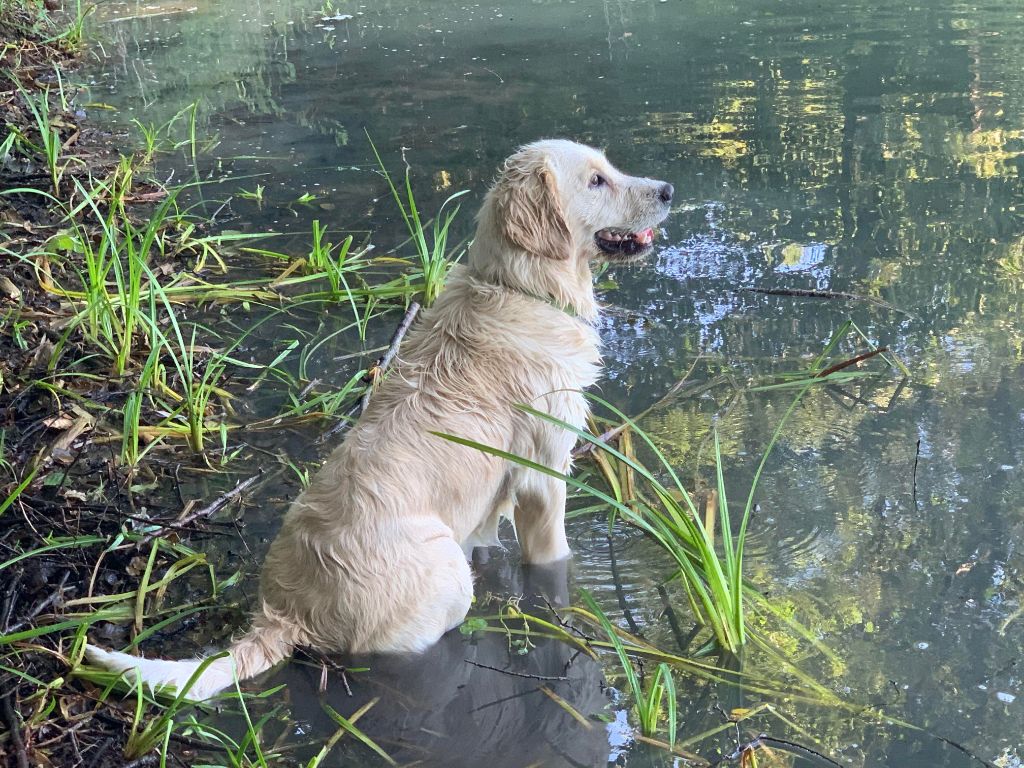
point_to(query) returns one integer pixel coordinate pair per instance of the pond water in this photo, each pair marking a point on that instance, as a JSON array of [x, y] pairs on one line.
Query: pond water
[[868, 148]]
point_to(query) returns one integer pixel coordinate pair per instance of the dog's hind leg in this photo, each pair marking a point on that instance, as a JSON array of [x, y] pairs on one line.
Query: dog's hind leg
[[444, 593]]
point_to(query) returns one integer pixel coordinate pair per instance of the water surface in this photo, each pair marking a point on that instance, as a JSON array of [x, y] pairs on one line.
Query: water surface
[[870, 148]]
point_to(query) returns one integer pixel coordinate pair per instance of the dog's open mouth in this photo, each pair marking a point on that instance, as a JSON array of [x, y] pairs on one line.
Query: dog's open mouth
[[624, 243]]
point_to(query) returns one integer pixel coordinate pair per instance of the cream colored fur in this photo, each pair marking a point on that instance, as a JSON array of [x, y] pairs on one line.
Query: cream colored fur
[[372, 556]]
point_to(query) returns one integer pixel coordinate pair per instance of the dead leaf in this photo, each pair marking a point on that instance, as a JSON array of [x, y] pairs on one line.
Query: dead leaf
[[60, 450], [60, 421], [9, 289]]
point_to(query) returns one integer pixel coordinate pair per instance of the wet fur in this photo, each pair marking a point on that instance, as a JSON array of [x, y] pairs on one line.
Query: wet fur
[[372, 556]]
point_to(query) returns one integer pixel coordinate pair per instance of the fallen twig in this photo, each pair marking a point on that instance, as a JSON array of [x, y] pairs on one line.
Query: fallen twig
[[808, 293], [516, 674], [917, 455], [12, 720], [620, 594], [680, 386], [683, 640], [764, 740], [10, 600], [587, 639], [210, 508], [852, 361], [377, 370], [215, 505], [345, 421], [55, 596], [326, 663]]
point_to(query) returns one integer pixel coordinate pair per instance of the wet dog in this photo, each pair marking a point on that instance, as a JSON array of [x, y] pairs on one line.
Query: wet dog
[[372, 556]]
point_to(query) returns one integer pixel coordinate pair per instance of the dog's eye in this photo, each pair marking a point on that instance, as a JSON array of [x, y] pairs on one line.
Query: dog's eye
[[597, 180]]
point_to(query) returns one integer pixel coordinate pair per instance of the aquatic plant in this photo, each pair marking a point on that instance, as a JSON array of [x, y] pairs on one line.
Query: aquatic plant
[[714, 583], [150, 135], [322, 258], [654, 499], [658, 695], [435, 259]]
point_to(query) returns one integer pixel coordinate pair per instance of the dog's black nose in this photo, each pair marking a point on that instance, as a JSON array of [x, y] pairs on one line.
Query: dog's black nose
[[665, 193]]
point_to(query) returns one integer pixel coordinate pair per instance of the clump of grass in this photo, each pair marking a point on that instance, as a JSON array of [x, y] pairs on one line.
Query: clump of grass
[[435, 259], [51, 33], [131, 413], [667, 513], [49, 144], [198, 381], [103, 263], [74, 24], [323, 259], [347, 726], [117, 265], [650, 701], [654, 499]]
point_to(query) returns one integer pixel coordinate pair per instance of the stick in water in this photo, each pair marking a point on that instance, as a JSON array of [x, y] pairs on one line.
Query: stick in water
[[382, 365]]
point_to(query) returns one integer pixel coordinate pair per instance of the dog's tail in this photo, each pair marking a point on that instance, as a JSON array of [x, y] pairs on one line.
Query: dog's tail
[[264, 645]]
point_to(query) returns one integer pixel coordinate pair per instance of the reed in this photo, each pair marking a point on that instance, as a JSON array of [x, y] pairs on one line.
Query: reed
[[429, 238], [650, 700], [652, 498]]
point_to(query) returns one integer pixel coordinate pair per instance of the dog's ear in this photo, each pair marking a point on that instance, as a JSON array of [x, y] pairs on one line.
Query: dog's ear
[[527, 207]]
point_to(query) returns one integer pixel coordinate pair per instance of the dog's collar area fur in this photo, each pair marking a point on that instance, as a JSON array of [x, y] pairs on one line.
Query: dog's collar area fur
[[485, 284], [566, 308]]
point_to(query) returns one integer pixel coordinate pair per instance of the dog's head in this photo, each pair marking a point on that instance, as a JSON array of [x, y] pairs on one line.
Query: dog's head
[[557, 199]]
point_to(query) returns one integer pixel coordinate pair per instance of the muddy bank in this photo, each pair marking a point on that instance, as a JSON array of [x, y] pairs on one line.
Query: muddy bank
[[87, 511], [128, 433]]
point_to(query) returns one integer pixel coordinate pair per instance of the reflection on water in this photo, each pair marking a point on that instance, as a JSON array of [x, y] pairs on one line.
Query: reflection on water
[[861, 147], [470, 701]]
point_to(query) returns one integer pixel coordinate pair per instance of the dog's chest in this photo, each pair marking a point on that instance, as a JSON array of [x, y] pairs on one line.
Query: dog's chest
[[573, 356], [572, 363]]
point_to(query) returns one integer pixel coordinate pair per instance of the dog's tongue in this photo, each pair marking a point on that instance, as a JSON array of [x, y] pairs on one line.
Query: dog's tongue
[[645, 237]]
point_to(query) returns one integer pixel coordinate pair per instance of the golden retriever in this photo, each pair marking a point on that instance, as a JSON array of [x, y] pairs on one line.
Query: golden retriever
[[372, 556]]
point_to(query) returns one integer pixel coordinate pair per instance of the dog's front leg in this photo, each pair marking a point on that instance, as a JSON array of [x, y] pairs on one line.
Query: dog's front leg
[[540, 519]]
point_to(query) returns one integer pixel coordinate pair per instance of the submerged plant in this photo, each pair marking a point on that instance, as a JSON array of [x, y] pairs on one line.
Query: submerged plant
[[255, 195]]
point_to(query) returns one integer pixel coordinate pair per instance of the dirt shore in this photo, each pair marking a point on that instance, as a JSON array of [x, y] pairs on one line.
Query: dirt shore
[[79, 526]]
